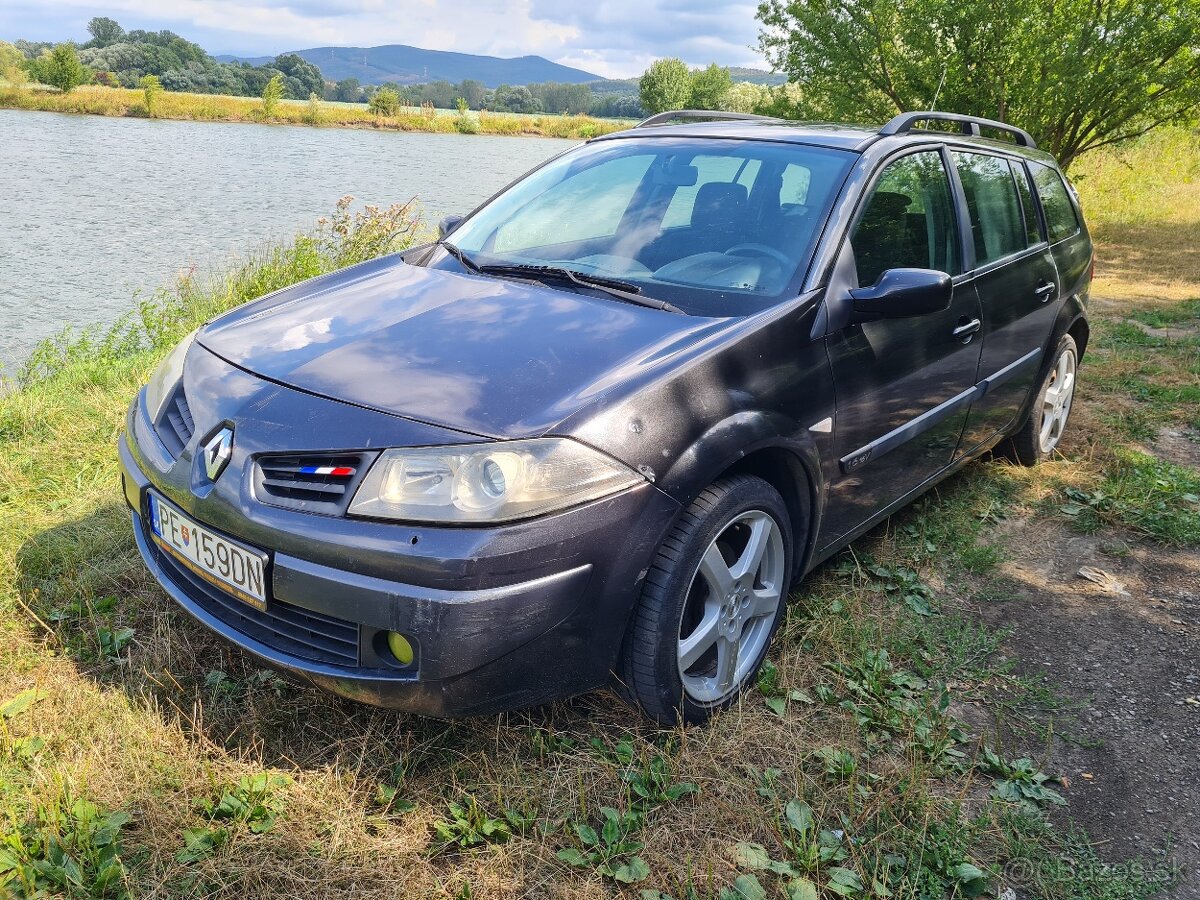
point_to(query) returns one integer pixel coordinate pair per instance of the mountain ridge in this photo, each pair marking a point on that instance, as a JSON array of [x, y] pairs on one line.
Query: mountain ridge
[[405, 64]]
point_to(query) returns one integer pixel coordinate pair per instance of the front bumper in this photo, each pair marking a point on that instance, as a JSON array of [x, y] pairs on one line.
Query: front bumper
[[502, 617]]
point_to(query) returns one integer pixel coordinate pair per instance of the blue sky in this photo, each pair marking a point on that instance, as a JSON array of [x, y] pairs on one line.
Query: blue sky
[[615, 38]]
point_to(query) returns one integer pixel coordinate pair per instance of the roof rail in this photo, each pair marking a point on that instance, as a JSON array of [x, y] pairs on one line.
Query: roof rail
[[700, 115], [903, 123]]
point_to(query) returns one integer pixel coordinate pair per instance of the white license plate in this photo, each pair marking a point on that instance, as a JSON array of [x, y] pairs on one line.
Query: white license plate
[[233, 567]]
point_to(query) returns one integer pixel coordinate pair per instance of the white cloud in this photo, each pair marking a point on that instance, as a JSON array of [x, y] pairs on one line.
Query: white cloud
[[615, 38]]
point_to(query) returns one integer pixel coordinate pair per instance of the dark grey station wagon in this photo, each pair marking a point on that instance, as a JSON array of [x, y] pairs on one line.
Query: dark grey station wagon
[[596, 432]]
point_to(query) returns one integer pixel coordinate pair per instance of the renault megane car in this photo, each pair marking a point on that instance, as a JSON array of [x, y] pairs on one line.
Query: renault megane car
[[596, 432]]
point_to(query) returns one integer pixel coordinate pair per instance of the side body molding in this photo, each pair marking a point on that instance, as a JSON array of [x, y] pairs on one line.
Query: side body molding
[[885, 443]]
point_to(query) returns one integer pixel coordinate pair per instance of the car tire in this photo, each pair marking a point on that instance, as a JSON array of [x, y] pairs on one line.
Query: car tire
[[703, 623], [1042, 431]]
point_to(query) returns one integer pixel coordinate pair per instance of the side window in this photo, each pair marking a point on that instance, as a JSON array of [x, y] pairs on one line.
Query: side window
[[908, 221], [1061, 220], [1033, 232], [709, 169], [552, 218], [997, 227]]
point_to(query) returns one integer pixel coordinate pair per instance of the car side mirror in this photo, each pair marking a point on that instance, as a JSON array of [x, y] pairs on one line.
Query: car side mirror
[[903, 292], [447, 225]]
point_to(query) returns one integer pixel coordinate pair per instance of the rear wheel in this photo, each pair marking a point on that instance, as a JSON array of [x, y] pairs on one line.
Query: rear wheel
[[1043, 430], [711, 603]]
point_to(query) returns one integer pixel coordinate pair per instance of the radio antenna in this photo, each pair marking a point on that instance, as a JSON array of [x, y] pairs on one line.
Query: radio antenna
[[933, 105]]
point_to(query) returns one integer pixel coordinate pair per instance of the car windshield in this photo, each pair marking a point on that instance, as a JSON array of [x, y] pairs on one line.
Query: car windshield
[[714, 227]]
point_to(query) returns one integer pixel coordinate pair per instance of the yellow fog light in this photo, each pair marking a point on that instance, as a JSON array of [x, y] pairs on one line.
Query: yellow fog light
[[401, 648]]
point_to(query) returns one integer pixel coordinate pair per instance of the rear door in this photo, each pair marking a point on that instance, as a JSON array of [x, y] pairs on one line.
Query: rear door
[[1015, 276], [902, 386], [1069, 240]]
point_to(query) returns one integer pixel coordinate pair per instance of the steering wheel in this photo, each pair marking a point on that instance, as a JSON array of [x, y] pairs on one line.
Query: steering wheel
[[764, 250]]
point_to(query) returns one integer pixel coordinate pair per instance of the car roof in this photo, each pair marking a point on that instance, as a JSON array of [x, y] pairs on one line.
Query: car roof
[[855, 138], [841, 137]]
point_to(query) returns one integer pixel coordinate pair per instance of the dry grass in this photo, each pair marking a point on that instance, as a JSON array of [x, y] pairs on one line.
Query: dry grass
[[176, 717], [1142, 203], [106, 101]]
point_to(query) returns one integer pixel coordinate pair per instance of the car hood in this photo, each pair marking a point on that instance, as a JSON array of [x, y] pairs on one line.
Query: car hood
[[490, 357]]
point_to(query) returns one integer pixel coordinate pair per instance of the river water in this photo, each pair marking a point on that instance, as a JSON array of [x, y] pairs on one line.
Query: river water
[[95, 211]]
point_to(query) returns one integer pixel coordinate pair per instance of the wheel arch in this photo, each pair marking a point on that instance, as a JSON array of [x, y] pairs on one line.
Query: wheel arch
[[757, 444], [1080, 330]]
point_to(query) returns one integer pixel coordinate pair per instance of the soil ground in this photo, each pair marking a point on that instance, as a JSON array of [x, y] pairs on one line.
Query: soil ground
[[1123, 657]]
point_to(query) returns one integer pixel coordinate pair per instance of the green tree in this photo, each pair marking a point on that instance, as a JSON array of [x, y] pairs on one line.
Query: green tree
[[272, 94], [12, 64], [301, 76], [346, 91], [385, 102], [151, 88], [710, 87], [472, 91], [1077, 74], [105, 31], [60, 68], [667, 84]]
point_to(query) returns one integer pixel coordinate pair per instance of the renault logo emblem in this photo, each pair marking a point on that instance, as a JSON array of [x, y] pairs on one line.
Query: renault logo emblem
[[217, 452]]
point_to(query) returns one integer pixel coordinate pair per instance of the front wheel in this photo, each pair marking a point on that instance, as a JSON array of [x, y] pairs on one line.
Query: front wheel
[[712, 601], [1042, 432]]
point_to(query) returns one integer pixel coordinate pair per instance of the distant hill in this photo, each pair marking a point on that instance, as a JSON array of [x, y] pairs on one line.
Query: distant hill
[[412, 65], [756, 76]]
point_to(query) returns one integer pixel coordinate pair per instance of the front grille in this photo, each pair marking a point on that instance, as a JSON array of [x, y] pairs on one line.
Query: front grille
[[316, 483], [175, 426], [301, 633]]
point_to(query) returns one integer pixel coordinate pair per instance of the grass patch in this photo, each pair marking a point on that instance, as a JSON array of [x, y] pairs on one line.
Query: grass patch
[[107, 101]]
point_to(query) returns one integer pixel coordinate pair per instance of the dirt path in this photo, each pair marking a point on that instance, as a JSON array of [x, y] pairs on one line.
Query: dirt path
[[1129, 665]]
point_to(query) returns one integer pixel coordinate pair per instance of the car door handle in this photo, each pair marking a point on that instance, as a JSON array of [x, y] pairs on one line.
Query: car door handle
[[1045, 290], [964, 331]]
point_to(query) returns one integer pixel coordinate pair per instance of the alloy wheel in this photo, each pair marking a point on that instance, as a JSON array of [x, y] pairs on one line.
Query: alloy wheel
[[1056, 402], [731, 606]]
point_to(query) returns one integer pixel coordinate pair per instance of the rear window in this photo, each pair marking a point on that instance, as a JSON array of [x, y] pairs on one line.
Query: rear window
[[709, 170], [1061, 219]]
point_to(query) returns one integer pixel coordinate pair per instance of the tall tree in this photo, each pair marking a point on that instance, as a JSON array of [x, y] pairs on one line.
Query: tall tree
[[667, 84], [105, 31], [710, 87], [1078, 74]]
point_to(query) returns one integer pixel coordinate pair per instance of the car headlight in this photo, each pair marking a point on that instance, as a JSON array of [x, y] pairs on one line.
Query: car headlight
[[166, 376], [495, 482]]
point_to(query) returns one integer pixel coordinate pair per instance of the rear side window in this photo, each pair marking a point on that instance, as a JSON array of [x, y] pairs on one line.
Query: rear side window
[[997, 227], [1033, 233], [908, 221], [1061, 220]]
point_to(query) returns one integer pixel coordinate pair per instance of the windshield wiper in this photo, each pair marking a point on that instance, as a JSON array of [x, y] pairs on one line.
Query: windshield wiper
[[458, 254], [625, 291]]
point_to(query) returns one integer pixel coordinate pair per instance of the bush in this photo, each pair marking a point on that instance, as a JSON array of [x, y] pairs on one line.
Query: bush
[[151, 88], [272, 93], [385, 102]]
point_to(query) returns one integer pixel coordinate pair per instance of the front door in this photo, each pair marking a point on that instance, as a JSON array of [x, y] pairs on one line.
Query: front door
[[902, 386]]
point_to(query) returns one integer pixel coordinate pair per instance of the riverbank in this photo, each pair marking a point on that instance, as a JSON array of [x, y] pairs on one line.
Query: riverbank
[[896, 746], [97, 100]]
